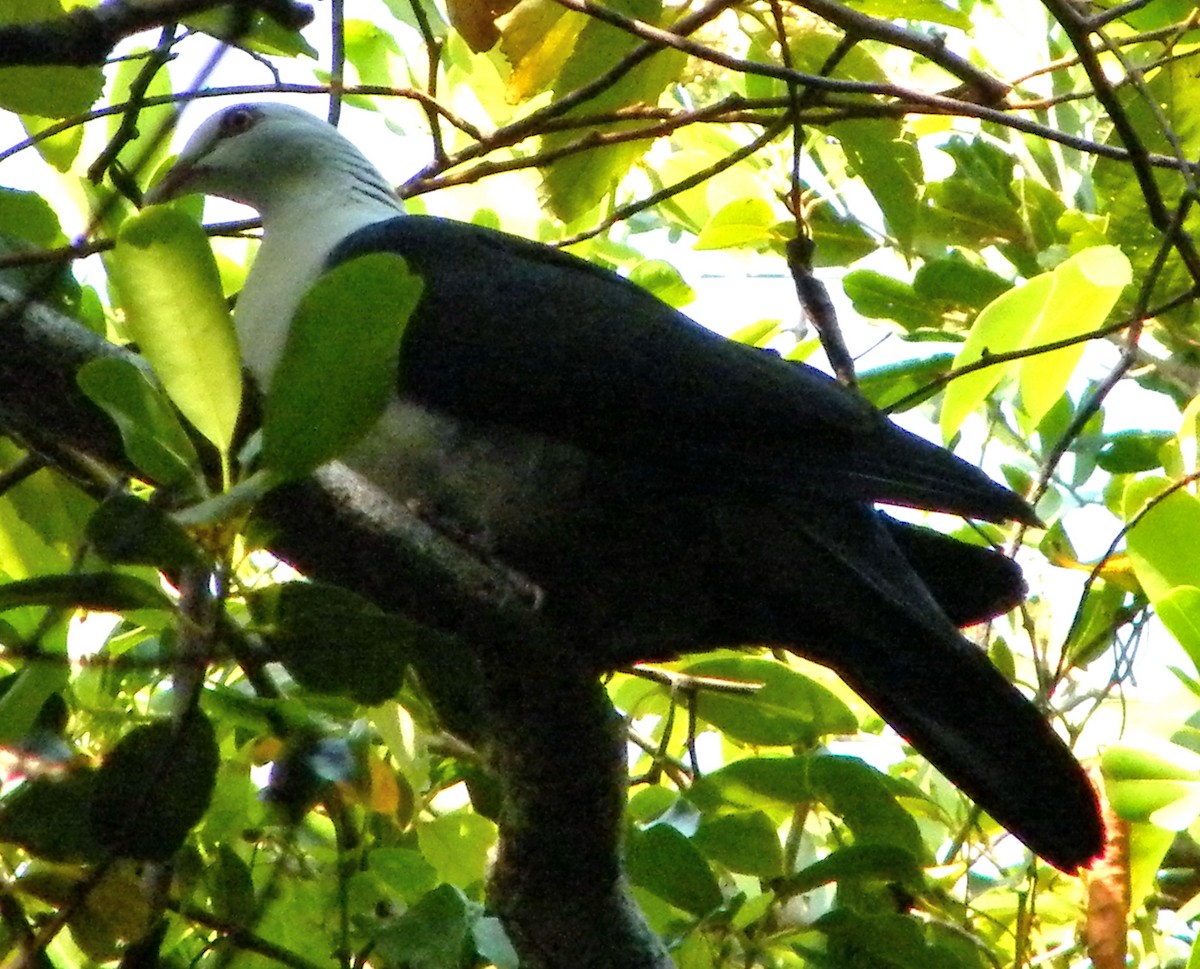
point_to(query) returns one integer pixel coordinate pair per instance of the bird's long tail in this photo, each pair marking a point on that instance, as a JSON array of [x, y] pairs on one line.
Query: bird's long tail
[[879, 627]]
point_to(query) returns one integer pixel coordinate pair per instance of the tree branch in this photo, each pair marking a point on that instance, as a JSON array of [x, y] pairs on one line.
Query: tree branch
[[87, 35]]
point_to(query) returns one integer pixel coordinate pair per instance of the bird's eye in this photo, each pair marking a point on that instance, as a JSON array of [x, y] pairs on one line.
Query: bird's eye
[[237, 121]]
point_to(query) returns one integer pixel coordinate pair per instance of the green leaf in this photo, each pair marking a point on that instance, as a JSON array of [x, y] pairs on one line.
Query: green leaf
[[664, 281], [790, 708], [50, 92], [754, 782], [890, 166], [882, 297], [1086, 288], [975, 206], [369, 49], [333, 641], [433, 934], [742, 841], [231, 887], [154, 439], [933, 11], [576, 183], [458, 845], [154, 786], [404, 872], [28, 217], [886, 386], [538, 37], [1068, 301], [59, 150], [164, 270], [24, 696], [1128, 452], [662, 860], [864, 799], [129, 531], [1170, 97], [743, 222], [95, 591], [957, 281], [879, 862], [839, 237], [129, 83], [1179, 611], [327, 393], [1161, 786], [48, 817], [1164, 545]]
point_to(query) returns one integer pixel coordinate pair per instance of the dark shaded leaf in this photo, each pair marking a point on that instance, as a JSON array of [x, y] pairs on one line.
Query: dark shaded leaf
[[867, 861], [97, 591], [48, 817], [433, 934], [230, 887], [333, 641], [154, 786], [129, 531]]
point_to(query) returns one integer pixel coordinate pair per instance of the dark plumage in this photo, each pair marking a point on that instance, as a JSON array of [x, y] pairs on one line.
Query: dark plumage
[[666, 487]]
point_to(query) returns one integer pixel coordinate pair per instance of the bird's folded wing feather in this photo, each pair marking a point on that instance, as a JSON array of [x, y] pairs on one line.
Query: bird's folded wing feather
[[573, 351]]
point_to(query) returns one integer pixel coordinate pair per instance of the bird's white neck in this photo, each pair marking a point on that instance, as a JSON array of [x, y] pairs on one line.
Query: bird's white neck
[[300, 228]]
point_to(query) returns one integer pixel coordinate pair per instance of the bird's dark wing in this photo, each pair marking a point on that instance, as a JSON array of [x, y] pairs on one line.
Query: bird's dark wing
[[512, 332]]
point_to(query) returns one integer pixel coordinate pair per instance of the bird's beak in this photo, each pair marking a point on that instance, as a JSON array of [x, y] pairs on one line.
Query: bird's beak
[[174, 183]]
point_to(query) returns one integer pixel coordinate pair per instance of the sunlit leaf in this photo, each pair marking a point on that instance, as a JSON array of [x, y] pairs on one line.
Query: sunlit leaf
[[457, 845], [890, 166], [1161, 786], [789, 709], [576, 183], [1071, 300], [742, 222], [175, 311]]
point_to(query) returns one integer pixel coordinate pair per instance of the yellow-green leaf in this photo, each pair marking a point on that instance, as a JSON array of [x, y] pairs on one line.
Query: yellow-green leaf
[[1068, 301], [167, 279]]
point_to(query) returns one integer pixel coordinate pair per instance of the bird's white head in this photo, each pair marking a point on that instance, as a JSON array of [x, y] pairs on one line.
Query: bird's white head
[[312, 188], [277, 159]]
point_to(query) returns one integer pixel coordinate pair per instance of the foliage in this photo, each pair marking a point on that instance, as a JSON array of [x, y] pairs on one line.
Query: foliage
[[210, 760]]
